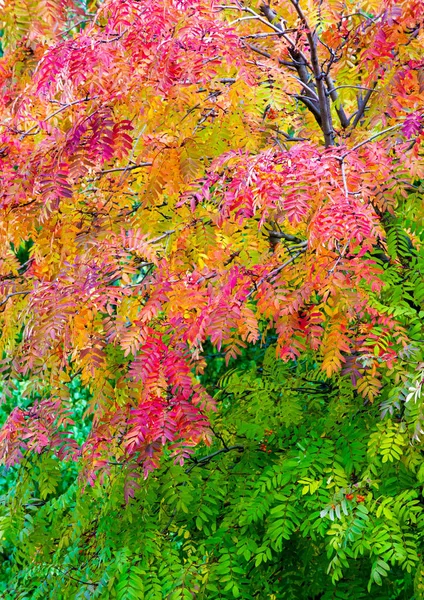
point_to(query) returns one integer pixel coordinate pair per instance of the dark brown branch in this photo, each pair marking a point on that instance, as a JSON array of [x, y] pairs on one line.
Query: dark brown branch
[[198, 462], [303, 68], [332, 92], [266, 54], [127, 168], [280, 235], [287, 137], [302, 248], [23, 293], [324, 106], [119, 169], [312, 106], [362, 105], [299, 60]]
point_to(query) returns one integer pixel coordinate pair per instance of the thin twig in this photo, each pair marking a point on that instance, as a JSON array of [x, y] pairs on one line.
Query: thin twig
[[119, 169], [346, 189], [262, 35], [265, 54], [257, 17], [199, 463], [11, 294], [276, 271], [370, 139], [205, 459], [56, 112], [86, 20], [127, 168], [161, 237], [355, 87]]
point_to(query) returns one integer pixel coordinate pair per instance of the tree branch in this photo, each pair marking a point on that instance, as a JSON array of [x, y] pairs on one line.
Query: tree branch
[[119, 169], [205, 459], [332, 92], [370, 139], [11, 294], [127, 168], [278, 269], [280, 235], [362, 105], [309, 98], [355, 87], [286, 135], [266, 54], [56, 112], [311, 106], [324, 106]]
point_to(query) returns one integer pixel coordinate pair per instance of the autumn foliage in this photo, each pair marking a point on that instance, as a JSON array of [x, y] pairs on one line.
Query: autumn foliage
[[187, 174]]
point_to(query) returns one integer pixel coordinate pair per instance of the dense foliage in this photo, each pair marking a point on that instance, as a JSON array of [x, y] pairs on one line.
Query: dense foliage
[[211, 299]]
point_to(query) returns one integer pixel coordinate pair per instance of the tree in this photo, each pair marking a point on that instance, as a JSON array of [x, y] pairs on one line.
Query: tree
[[195, 191]]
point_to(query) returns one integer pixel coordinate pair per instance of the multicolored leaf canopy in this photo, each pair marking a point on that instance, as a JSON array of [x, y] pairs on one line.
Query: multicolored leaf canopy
[[183, 172]]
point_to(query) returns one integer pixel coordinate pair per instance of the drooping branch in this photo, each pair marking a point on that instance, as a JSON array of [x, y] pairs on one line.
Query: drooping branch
[[36, 127]]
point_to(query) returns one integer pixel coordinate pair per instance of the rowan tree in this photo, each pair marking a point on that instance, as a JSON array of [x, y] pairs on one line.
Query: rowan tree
[[211, 290]]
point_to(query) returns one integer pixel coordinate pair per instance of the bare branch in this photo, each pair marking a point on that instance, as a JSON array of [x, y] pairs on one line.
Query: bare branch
[[261, 35], [332, 92], [278, 269], [287, 137], [308, 88], [161, 237], [198, 462], [324, 107], [370, 139], [11, 294], [299, 58], [266, 54], [280, 235], [362, 105], [355, 87], [56, 112], [86, 20], [268, 23], [309, 98], [119, 169], [311, 106]]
